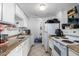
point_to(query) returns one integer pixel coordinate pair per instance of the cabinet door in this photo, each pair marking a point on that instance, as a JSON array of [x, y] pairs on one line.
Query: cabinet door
[[9, 12], [16, 52], [0, 10], [26, 47]]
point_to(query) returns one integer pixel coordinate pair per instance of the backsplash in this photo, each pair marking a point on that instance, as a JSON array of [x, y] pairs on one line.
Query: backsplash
[[73, 37], [72, 34], [10, 32]]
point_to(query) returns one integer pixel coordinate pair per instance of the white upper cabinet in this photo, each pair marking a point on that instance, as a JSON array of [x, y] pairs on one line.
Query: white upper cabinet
[[0, 10], [9, 13]]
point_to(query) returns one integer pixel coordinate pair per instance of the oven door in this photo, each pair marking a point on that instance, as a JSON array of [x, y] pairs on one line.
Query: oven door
[[64, 50], [57, 50], [60, 49]]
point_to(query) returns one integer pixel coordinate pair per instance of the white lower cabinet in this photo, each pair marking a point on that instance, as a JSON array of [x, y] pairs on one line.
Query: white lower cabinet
[[16, 52], [72, 53], [51, 46], [51, 43], [22, 49], [26, 47]]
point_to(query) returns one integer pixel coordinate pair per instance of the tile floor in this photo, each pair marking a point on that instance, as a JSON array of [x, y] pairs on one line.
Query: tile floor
[[38, 50]]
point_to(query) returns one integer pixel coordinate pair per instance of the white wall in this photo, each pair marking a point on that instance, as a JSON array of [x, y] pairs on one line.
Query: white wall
[[21, 14], [62, 17], [34, 26], [20, 22]]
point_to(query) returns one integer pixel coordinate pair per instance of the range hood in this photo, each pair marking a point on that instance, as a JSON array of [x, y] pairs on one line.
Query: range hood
[[55, 20]]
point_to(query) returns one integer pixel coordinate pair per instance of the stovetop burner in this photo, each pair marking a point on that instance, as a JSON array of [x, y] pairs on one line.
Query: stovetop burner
[[67, 41]]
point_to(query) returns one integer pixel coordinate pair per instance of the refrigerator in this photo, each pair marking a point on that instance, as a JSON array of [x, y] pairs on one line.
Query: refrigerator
[[51, 27], [49, 30]]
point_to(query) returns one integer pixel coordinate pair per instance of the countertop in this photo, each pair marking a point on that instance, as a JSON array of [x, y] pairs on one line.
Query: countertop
[[10, 47], [73, 46], [63, 43]]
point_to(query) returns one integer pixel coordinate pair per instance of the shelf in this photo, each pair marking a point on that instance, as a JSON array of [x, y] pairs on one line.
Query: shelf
[[72, 13]]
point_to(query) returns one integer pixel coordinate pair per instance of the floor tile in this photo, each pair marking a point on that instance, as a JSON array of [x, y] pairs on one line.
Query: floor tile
[[38, 50]]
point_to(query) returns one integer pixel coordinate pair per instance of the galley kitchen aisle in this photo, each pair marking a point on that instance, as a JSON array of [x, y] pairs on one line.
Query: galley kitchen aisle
[[39, 29]]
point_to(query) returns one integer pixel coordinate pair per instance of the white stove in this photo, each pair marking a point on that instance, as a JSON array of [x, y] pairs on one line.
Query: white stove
[[66, 41], [61, 45]]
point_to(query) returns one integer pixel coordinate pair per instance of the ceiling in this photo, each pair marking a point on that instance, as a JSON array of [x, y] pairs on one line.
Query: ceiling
[[32, 9]]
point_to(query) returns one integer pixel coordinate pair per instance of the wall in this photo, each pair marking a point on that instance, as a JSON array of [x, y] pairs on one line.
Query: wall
[[20, 22], [34, 26], [62, 17], [21, 14]]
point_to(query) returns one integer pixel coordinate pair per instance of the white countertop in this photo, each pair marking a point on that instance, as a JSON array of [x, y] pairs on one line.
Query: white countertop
[[64, 43]]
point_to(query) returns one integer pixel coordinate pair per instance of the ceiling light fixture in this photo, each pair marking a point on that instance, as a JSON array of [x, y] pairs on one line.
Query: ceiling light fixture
[[42, 7]]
